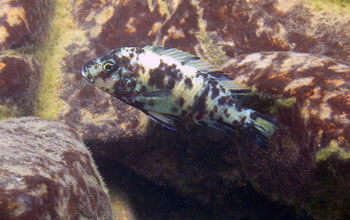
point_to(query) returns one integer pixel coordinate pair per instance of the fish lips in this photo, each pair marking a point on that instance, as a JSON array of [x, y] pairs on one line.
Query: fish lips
[[86, 74]]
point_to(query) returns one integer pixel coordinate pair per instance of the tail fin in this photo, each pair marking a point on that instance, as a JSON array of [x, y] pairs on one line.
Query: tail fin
[[260, 129]]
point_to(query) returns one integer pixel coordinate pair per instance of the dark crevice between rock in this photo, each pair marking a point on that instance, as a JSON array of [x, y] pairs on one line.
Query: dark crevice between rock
[[152, 201], [210, 195]]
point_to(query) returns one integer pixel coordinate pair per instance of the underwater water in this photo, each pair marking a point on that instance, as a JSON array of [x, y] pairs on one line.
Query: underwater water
[[142, 199], [256, 96]]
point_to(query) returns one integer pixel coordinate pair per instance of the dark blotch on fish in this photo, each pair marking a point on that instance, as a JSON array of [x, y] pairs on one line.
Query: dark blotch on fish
[[156, 78], [222, 100], [162, 72], [211, 115], [235, 124], [243, 120], [132, 84], [214, 92], [170, 84], [188, 83], [239, 107], [254, 115], [230, 102], [226, 113], [139, 50], [181, 101], [174, 110], [201, 104]]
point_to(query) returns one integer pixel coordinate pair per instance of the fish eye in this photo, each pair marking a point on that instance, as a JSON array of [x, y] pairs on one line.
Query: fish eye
[[108, 67]]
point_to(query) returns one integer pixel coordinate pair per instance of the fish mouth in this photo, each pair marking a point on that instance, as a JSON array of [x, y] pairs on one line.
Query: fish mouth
[[86, 74]]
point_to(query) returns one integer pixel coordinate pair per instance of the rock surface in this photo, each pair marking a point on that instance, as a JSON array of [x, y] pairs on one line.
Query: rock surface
[[23, 22], [309, 159], [135, 197], [47, 173], [215, 31], [19, 84], [197, 163]]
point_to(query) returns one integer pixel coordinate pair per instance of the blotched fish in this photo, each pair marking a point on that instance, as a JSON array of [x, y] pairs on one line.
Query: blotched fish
[[170, 85]]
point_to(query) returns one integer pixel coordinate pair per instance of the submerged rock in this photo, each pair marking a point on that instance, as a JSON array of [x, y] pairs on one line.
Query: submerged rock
[[47, 173], [19, 84], [309, 159], [23, 23], [196, 162], [215, 31]]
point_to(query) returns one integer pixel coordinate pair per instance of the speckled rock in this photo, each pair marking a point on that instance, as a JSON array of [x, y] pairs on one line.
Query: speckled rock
[[195, 162], [47, 173], [23, 22], [309, 160], [19, 84], [215, 31]]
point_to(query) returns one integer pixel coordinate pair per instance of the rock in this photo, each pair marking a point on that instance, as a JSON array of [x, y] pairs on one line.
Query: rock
[[309, 159], [242, 27], [47, 173], [63, 94], [19, 84], [195, 162], [135, 197], [215, 31], [23, 23]]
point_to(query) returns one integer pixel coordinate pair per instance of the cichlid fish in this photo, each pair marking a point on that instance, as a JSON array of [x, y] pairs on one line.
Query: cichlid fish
[[170, 85]]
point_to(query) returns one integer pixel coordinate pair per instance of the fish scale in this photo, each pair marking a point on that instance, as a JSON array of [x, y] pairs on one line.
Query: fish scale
[[170, 85]]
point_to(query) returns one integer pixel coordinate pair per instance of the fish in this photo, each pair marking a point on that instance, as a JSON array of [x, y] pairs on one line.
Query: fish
[[172, 86]]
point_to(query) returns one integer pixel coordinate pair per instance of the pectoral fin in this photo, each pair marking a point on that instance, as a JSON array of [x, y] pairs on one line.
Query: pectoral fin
[[165, 120], [155, 107], [159, 93], [155, 101]]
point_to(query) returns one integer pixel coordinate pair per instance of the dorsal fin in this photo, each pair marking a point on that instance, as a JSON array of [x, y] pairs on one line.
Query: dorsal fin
[[231, 84], [183, 57], [239, 91]]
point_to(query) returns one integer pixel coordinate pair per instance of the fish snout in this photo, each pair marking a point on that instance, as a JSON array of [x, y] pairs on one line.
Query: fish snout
[[86, 71]]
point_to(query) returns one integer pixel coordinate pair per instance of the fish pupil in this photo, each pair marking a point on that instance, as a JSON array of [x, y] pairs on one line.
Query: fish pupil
[[108, 67]]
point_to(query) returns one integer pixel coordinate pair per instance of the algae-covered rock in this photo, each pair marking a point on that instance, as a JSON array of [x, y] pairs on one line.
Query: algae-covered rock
[[19, 84], [23, 22], [242, 27], [195, 162], [192, 161], [309, 159], [215, 31], [47, 173]]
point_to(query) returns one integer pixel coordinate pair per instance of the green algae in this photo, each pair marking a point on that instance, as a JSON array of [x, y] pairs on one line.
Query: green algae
[[332, 5], [62, 32], [328, 197], [214, 52], [9, 111], [282, 103], [332, 149]]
